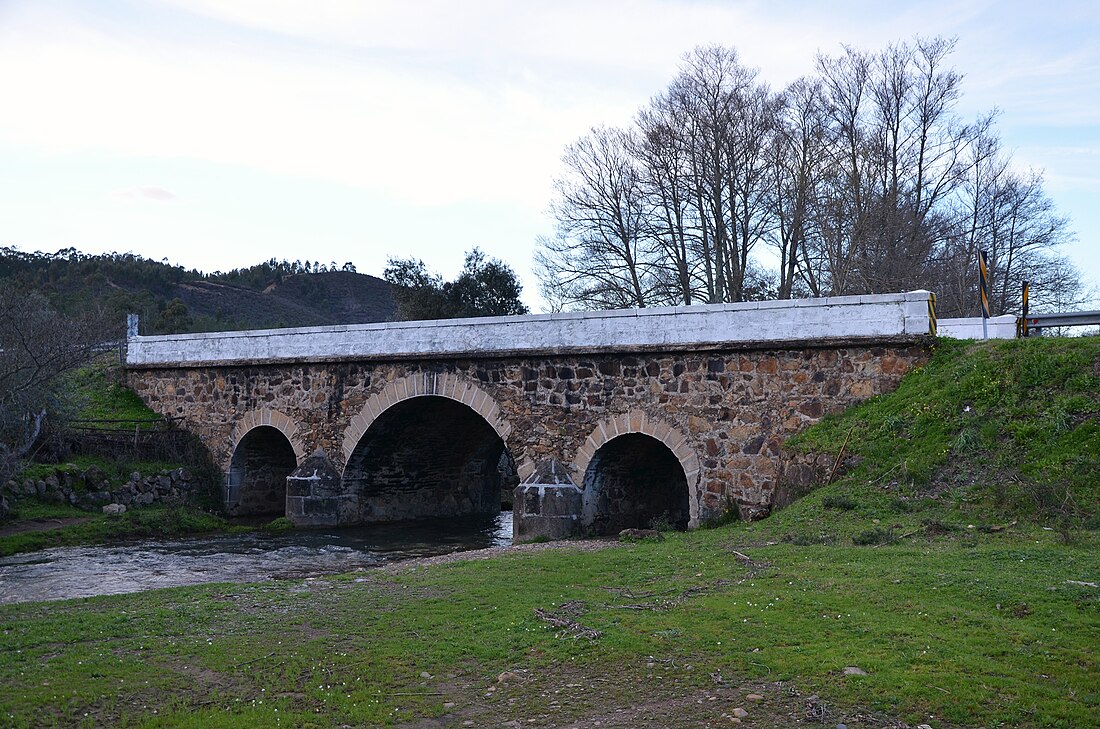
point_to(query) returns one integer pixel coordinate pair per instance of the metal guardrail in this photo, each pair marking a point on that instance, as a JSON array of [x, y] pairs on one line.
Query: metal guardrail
[[1038, 322]]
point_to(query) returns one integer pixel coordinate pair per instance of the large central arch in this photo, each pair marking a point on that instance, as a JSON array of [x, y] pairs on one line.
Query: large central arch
[[430, 446]]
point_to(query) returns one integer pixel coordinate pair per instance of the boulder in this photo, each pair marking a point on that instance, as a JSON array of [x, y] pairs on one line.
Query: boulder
[[99, 497], [114, 509]]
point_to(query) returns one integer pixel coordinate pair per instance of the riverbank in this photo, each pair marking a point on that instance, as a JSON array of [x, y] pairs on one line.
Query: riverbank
[[948, 577], [960, 630], [38, 526]]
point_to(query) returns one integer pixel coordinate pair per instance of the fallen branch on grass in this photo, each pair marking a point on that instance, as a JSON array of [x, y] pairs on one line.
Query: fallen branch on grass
[[1002, 527], [568, 627], [662, 603], [899, 537], [627, 592], [269, 655], [840, 455]]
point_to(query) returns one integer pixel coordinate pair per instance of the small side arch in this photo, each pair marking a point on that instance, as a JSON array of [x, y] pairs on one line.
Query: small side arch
[[666, 435], [439, 384], [265, 450]]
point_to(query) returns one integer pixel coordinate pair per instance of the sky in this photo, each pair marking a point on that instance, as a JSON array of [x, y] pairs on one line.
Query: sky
[[220, 133]]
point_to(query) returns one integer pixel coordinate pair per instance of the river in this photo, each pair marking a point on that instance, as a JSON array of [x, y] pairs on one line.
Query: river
[[68, 572]]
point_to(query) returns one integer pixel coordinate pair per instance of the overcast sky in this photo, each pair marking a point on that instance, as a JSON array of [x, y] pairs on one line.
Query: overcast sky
[[219, 133]]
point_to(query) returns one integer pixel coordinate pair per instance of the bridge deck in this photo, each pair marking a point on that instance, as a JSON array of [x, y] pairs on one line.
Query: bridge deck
[[804, 322]]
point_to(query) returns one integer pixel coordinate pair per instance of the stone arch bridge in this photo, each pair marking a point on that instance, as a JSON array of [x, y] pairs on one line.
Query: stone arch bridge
[[599, 421]]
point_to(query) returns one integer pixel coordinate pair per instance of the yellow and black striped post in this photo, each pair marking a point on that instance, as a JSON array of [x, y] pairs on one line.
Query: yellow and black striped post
[[932, 314], [983, 273], [1027, 291]]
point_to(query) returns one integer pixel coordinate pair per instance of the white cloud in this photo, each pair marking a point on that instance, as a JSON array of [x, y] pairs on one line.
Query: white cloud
[[437, 103], [144, 192]]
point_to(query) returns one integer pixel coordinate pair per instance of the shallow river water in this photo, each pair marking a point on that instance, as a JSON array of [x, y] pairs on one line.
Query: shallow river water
[[66, 572]]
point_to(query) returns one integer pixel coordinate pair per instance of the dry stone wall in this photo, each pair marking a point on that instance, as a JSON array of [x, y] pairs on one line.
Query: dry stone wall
[[723, 413], [91, 489]]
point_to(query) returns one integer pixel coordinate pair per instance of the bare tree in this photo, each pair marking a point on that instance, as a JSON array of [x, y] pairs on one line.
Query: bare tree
[[37, 346], [600, 256], [863, 178], [663, 150], [801, 139]]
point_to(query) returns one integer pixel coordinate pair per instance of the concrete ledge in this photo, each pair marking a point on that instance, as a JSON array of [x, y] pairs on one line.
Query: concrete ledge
[[806, 322], [1000, 327]]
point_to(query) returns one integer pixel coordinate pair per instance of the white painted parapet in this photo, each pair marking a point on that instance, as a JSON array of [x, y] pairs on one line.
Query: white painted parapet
[[999, 327], [766, 323]]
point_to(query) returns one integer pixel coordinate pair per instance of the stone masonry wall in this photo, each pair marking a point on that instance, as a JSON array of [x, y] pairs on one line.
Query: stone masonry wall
[[724, 414], [91, 489]]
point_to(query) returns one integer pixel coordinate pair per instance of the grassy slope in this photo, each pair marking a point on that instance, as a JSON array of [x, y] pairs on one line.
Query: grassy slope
[[94, 392], [954, 626], [98, 393], [986, 432]]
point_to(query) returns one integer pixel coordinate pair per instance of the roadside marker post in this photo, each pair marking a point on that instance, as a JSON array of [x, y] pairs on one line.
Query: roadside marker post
[[1021, 322], [932, 314], [983, 273]]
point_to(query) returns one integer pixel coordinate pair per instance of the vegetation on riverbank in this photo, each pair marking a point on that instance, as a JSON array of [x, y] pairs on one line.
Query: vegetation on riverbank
[[75, 526], [937, 566], [99, 393], [93, 459]]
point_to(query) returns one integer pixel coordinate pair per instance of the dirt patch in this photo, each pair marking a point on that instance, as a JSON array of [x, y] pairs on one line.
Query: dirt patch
[[41, 525], [580, 545], [654, 693]]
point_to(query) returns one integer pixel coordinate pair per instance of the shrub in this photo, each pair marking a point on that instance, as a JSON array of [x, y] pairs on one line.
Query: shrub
[[839, 501], [878, 535]]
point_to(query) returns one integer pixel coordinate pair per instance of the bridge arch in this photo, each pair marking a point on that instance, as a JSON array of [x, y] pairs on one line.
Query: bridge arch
[[647, 465], [422, 384], [266, 449], [427, 445]]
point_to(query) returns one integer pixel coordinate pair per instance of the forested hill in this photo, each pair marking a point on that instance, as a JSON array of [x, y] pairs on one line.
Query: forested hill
[[173, 299]]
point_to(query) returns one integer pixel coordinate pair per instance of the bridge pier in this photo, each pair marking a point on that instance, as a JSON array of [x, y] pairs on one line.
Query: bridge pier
[[315, 495], [547, 505]]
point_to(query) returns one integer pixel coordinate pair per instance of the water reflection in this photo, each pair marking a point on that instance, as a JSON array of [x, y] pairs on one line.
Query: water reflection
[[66, 572]]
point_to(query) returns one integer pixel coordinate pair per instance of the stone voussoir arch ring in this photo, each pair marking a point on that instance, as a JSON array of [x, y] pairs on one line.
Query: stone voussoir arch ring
[[637, 421], [421, 384], [271, 418]]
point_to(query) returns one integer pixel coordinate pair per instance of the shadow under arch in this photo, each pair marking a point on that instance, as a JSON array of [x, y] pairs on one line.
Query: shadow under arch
[[258, 469], [634, 481], [428, 456]]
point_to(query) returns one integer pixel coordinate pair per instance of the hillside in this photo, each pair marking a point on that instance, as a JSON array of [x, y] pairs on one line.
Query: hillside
[[304, 299], [173, 299], [986, 432]]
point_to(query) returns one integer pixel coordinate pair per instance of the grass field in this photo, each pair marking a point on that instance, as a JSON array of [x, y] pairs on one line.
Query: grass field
[[955, 564], [971, 630]]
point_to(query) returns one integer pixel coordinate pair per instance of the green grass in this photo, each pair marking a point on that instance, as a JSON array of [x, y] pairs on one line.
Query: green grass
[[1011, 427], [147, 522], [117, 472], [98, 393], [968, 602], [980, 633]]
